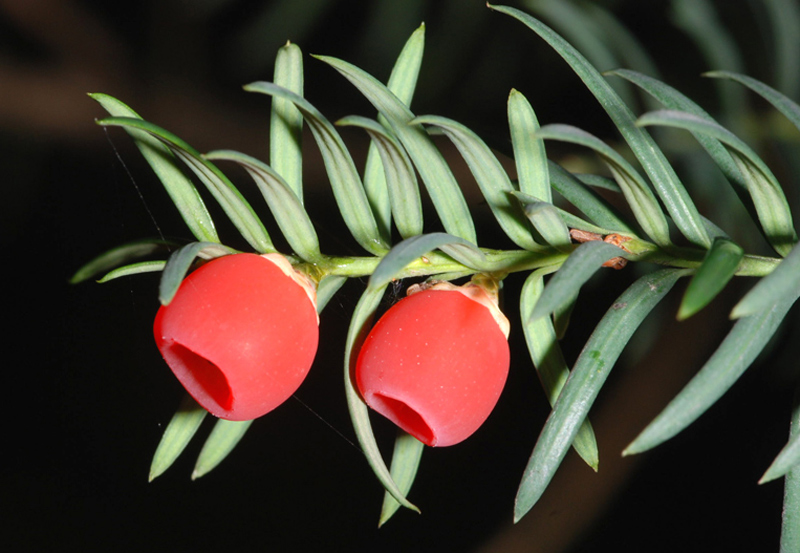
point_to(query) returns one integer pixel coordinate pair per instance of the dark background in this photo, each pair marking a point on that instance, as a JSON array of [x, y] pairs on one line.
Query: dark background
[[88, 395]]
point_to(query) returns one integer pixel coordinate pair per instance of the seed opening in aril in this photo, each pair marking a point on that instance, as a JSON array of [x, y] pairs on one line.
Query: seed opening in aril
[[199, 375], [403, 416]]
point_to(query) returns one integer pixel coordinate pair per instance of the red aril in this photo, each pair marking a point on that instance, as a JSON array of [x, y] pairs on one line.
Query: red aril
[[240, 334], [436, 362]]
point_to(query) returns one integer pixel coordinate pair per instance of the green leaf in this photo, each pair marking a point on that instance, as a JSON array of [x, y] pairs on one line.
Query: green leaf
[[232, 202], [555, 230], [718, 267], [773, 209], [790, 528], [548, 220], [467, 254], [561, 318], [576, 270], [179, 263], [412, 248], [587, 201], [441, 185], [345, 182], [403, 79], [405, 462], [492, 179], [402, 82], [575, 222], [582, 31], [400, 180], [118, 256], [599, 181], [637, 193], [223, 438], [673, 99], [662, 175], [587, 377], [134, 269], [180, 189], [790, 536], [780, 285], [327, 288], [177, 435], [530, 157], [714, 231], [780, 102], [286, 121], [631, 52], [549, 361], [788, 459], [734, 355], [359, 413], [285, 206]]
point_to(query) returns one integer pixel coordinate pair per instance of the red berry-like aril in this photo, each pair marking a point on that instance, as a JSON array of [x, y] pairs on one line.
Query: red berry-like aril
[[240, 334], [436, 363]]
